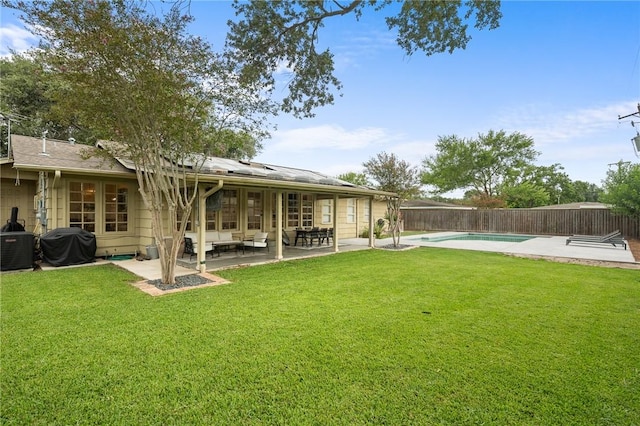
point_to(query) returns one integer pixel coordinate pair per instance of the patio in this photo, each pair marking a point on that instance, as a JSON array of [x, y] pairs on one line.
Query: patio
[[233, 258]]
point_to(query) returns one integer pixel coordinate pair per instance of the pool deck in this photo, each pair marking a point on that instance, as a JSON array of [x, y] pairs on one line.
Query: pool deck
[[539, 246]]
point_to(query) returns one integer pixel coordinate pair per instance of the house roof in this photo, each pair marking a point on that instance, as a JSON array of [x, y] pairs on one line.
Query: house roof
[[431, 204], [569, 206], [28, 153], [31, 153]]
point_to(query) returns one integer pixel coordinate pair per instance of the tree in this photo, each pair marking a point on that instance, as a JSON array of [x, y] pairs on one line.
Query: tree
[[136, 76], [586, 191], [481, 164], [26, 98], [537, 186], [355, 178], [396, 176], [272, 34], [622, 189], [525, 195]]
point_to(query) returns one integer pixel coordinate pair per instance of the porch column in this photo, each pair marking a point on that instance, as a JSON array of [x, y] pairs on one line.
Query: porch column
[[335, 222], [279, 254], [372, 236], [202, 223]]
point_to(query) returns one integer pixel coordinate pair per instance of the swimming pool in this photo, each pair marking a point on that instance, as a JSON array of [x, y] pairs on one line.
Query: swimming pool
[[473, 236]]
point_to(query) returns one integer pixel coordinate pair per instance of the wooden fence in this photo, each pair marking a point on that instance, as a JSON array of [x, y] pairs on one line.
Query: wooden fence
[[522, 221]]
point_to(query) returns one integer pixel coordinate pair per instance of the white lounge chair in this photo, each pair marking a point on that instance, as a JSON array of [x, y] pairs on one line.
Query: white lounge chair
[[259, 240]]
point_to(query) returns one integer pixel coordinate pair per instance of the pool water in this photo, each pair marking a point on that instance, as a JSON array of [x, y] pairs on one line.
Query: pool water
[[507, 238]]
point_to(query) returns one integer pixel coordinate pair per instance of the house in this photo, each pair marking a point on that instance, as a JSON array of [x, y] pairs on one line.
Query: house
[[58, 184], [431, 204]]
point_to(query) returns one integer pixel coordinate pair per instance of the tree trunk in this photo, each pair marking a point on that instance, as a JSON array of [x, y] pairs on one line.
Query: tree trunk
[[393, 211]]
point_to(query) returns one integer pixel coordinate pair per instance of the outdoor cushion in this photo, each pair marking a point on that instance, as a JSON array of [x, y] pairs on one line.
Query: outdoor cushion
[[258, 240]]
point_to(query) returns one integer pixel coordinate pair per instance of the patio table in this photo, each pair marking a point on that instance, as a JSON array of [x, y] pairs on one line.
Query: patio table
[[218, 245]]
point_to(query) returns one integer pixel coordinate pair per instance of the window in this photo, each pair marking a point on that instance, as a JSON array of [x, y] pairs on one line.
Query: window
[[82, 206], [297, 210], [230, 209], [293, 211], [211, 219], [351, 210], [307, 210], [213, 204], [116, 197], [274, 205], [327, 211], [366, 211], [254, 210]]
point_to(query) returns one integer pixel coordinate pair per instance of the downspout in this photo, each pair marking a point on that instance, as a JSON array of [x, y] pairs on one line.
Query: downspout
[[202, 220], [41, 215], [54, 195]]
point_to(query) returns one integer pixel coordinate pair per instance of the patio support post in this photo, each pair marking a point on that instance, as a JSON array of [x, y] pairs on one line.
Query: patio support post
[[372, 236], [335, 222], [279, 254], [202, 223]]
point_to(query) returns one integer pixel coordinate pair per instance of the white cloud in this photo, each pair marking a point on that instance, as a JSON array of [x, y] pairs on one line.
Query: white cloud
[[328, 137], [357, 45], [13, 37], [551, 126]]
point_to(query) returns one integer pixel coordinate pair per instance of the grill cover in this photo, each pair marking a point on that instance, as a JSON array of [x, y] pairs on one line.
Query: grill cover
[[68, 246], [16, 250]]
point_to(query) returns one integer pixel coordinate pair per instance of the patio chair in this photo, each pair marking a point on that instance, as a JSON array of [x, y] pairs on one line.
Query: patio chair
[[612, 238], [329, 235], [313, 234], [301, 234], [259, 240], [324, 235], [188, 248], [285, 238]]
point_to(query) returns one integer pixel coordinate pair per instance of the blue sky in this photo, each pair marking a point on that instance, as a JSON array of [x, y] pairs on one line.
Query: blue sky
[[560, 72]]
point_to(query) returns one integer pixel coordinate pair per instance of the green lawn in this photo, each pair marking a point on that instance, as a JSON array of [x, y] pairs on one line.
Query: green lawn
[[425, 336]]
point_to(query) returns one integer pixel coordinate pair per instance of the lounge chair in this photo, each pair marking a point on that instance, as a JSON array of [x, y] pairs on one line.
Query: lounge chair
[[258, 240], [612, 238]]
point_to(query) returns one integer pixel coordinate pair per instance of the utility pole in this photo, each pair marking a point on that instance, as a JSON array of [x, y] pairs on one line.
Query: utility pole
[[619, 164], [635, 141], [636, 114]]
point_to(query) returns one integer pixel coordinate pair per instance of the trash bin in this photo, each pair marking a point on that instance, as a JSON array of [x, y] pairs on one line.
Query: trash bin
[[152, 252]]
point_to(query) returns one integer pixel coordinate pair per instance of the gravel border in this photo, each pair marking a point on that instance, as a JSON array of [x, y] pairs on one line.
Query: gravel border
[[181, 281]]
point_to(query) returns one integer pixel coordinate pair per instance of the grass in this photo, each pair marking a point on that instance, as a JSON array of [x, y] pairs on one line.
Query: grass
[[425, 336]]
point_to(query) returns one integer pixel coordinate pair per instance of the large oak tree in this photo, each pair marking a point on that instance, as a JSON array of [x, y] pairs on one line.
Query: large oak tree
[[481, 164], [271, 34]]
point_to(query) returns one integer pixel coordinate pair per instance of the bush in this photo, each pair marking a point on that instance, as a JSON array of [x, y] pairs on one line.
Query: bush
[[377, 229]]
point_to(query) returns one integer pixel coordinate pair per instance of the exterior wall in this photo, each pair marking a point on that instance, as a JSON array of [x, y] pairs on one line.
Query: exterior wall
[[139, 233], [20, 196], [347, 227], [108, 243], [379, 210]]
